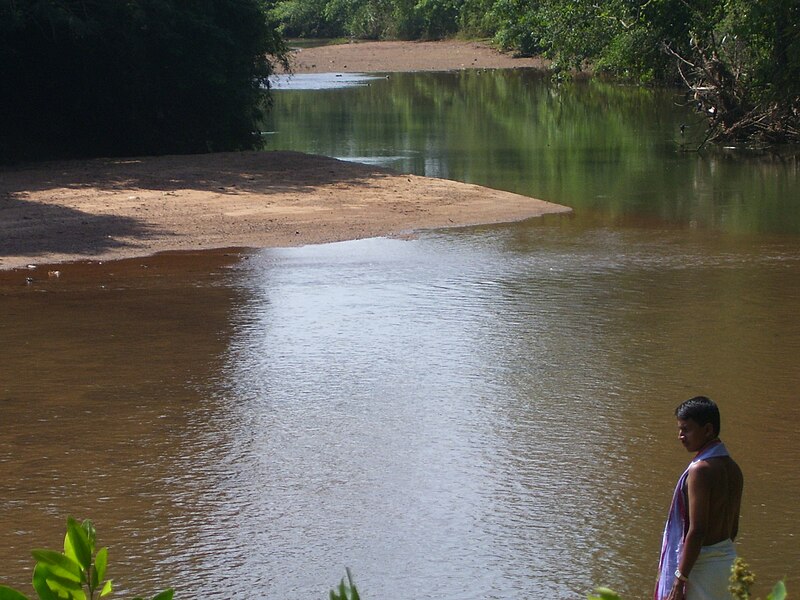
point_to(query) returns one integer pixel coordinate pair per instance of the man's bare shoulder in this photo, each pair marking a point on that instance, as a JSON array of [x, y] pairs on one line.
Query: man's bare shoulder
[[704, 465], [710, 469], [714, 461], [702, 470]]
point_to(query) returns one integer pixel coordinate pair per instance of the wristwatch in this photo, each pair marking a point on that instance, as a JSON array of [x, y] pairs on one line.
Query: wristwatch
[[681, 576]]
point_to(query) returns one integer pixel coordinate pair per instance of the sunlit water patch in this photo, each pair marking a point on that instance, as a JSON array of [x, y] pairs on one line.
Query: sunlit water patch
[[322, 81], [460, 416]]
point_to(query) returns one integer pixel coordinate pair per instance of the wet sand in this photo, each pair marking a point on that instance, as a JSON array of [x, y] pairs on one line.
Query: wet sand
[[110, 209]]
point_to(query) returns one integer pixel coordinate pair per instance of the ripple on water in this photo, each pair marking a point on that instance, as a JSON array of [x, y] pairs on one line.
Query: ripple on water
[[483, 411]]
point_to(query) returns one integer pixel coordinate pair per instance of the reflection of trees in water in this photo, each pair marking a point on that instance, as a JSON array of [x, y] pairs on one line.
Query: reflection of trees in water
[[609, 150]]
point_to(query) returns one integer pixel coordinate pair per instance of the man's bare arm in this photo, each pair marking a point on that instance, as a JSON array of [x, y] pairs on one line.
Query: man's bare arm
[[698, 485]]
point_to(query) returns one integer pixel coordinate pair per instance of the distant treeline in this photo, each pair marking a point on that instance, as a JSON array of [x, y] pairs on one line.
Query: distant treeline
[[113, 77], [739, 59]]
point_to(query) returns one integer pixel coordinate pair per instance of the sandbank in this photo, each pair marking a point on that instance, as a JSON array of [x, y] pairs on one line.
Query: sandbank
[[109, 209], [389, 57]]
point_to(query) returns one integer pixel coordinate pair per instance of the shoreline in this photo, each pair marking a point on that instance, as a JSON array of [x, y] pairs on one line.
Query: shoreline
[[112, 209]]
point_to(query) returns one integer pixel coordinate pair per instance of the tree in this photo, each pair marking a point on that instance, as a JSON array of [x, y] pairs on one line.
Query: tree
[[307, 18], [92, 77], [742, 66], [738, 59]]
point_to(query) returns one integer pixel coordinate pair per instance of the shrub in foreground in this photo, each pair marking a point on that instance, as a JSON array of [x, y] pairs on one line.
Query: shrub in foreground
[[78, 573]]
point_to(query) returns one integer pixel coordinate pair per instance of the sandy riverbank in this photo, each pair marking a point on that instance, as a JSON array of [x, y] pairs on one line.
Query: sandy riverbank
[[391, 57], [106, 209]]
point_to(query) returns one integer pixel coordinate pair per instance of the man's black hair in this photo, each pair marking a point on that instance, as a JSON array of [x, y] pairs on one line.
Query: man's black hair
[[701, 410]]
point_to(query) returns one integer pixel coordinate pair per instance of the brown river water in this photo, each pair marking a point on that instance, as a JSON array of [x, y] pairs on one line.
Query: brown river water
[[472, 413], [476, 413]]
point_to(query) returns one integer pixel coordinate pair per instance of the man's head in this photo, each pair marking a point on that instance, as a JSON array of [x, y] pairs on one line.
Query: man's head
[[698, 422], [701, 410]]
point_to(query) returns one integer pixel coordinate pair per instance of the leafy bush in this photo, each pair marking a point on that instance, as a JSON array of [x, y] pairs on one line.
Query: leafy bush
[[79, 573], [742, 579], [306, 18]]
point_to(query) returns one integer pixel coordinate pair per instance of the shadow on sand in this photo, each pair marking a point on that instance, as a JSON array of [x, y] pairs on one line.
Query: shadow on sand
[[33, 228]]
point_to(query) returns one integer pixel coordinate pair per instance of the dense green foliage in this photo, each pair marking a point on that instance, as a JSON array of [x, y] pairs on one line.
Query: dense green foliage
[[377, 19], [78, 573], [93, 77], [739, 59]]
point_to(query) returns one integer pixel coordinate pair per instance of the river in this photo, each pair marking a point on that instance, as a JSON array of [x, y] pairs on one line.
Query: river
[[484, 412]]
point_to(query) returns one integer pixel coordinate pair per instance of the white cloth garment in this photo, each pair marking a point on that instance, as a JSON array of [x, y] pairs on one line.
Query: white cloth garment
[[710, 576]]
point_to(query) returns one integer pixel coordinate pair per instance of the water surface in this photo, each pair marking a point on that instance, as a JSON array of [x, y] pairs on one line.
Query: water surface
[[615, 154], [471, 413]]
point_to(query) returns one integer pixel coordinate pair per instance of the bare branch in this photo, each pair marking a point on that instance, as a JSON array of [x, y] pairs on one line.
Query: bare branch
[[671, 52]]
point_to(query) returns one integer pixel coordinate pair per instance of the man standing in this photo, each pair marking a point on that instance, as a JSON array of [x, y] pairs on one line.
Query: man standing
[[697, 552]]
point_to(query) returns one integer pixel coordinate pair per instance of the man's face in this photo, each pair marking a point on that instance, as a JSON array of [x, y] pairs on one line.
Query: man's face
[[694, 436]]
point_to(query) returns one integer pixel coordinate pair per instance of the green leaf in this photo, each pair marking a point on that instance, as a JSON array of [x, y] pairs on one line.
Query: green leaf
[[165, 595], [40, 584], [91, 534], [778, 592], [62, 586], [603, 593], [353, 590], [101, 563], [6, 593], [63, 565], [69, 551], [345, 592], [106, 589], [79, 541]]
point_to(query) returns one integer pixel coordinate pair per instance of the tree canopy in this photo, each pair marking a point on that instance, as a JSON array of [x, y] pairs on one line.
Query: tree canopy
[[107, 77]]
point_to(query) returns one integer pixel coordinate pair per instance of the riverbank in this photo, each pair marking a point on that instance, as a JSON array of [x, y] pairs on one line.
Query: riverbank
[[108, 209], [391, 57]]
